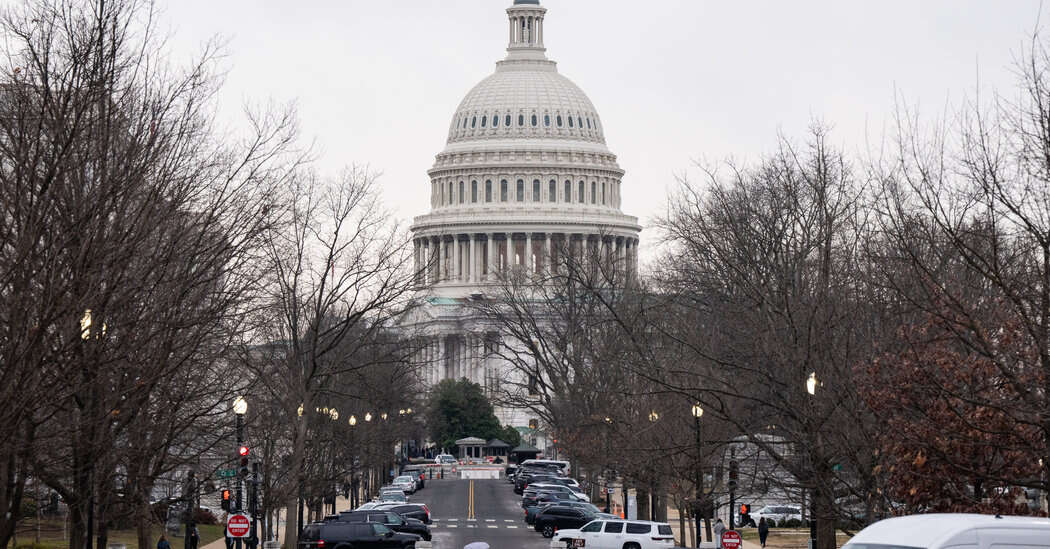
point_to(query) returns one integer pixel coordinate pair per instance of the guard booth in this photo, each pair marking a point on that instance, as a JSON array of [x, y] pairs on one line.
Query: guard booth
[[471, 448], [523, 452]]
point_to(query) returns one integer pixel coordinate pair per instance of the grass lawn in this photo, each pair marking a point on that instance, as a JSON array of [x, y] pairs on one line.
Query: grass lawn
[[788, 538], [52, 535]]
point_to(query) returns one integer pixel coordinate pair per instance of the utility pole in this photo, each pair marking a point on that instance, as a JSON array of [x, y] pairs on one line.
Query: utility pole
[[253, 541], [240, 474], [188, 491]]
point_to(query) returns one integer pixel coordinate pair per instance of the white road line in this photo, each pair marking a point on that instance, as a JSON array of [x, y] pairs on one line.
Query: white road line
[[508, 520], [452, 520], [493, 526], [490, 520], [512, 527], [453, 526], [472, 520]]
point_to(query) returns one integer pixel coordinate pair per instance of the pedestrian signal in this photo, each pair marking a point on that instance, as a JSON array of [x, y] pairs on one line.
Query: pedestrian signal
[[225, 500]]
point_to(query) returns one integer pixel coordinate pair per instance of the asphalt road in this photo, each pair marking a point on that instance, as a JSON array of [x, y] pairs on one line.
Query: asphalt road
[[466, 511]]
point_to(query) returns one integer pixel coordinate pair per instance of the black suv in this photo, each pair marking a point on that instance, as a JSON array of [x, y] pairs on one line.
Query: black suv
[[418, 511], [555, 518], [347, 535], [389, 519], [522, 481]]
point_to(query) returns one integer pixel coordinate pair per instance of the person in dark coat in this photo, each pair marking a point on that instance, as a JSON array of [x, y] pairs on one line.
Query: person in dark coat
[[763, 531], [162, 543]]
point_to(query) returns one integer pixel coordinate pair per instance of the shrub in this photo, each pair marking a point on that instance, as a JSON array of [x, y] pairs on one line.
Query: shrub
[[792, 523], [204, 516], [771, 522]]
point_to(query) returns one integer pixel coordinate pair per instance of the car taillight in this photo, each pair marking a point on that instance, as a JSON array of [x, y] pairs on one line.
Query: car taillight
[[320, 543]]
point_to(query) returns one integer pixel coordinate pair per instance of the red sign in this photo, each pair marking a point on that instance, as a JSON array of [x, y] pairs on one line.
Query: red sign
[[237, 526], [730, 539]]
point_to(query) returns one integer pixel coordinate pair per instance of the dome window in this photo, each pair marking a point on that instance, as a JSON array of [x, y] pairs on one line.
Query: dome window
[[503, 190], [483, 120], [506, 121], [570, 122], [579, 122], [488, 190], [559, 120], [521, 119], [474, 122], [568, 191], [547, 120], [582, 198], [462, 193], [594, 192], [495, 121], [535, 190], [552, 194], [521, 191], [535, 121], [474, 192]]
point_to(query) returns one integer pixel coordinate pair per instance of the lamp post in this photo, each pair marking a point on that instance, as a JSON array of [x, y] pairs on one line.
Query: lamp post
[[811, 387], [240, 407], [698, 411], [608, 497]]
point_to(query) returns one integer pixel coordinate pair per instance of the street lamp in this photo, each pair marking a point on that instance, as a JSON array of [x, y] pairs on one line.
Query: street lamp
[[240, 407], [812, 383], [698, 412], [654, 416], [353, 420], [811, 388], [383, 416], [368, 416]]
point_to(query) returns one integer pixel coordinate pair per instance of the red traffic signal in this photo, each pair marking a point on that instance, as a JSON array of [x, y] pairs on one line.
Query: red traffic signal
[[243, 451], [226, 495], [744, 509]]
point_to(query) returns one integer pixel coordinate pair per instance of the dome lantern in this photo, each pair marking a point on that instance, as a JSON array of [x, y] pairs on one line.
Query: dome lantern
[[526, 30]]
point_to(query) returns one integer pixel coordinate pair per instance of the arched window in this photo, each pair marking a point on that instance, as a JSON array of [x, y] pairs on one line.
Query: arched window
[[559, 120], [495, 121], [483, 120], [594, 193], [506, 121], [503, 190], [603, 193], [588, 122], [474, 192], [462, 193], [521, 191], [568, 191], [534, 121], [582, 198], [552, 193], [451, 193], [474, 122], [521, 119], [535, 190], [579, 122], [488, 190]]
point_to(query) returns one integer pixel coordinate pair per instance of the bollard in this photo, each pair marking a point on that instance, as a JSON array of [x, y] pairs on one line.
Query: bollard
[[442, 472]]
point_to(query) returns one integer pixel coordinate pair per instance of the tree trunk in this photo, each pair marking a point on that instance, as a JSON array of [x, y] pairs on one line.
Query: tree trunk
[[642, 499], [291, 534], [12, 475], [824, 513]]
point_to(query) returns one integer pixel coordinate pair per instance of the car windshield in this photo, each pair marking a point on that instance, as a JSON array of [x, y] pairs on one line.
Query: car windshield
[[403, 479]]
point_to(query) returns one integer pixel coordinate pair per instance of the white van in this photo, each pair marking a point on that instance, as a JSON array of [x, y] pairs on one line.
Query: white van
[[562, 466], [955, 531]]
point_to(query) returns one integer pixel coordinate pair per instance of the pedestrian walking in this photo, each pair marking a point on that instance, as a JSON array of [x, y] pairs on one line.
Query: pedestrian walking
[[763, 531], [720, 528], [162, 543], [195, 538]]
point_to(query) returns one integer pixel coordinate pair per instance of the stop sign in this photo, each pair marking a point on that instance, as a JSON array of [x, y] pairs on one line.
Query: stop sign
[[730, 539], [237, 526]]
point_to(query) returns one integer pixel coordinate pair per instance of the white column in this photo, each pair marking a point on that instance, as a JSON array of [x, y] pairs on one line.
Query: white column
[[547, 253], [585, 257], [491, 255], [621, 259], [510, 260], [455, 262], [528, 253], [441, 259], [473, 275]]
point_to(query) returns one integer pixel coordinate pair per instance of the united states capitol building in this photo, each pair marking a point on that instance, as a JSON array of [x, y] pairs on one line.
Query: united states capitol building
[[525, 171]]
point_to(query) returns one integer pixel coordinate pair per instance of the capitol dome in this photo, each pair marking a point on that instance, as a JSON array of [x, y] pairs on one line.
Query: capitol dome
[[525, 169]]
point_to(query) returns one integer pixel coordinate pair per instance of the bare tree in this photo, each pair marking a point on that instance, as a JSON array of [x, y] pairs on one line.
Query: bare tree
[[340, 272]]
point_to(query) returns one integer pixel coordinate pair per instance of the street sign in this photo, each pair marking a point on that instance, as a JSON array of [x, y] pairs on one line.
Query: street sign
[[612, 490], [238, 525], [227, 473], [730, 539]]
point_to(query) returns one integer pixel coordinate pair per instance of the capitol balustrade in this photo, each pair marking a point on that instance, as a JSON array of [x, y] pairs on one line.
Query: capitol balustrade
[[476, 258]]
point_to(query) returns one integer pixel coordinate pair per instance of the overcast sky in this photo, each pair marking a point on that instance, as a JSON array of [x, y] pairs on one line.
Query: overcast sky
[[376, 82]]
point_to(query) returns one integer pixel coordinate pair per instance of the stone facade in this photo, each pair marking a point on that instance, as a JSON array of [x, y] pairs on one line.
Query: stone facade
[[524, 171]]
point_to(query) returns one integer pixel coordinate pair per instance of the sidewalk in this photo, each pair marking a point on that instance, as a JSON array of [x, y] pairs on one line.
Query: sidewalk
[[341, 503]]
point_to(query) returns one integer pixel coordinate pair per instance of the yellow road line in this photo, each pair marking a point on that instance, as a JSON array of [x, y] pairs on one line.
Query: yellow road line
[[470, 501]]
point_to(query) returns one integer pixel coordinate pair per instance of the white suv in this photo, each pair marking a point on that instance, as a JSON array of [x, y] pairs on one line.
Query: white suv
[[617, 534], [778, 513]]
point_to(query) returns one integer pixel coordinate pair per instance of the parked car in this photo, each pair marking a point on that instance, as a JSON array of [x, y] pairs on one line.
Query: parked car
[[943, 530], [418, 511], [334, 533], [393, 495], [391, 520], [533, 510], [418, 473], [556, 488], [556, 517], [778, 513], [445, 459], [405, 483], [617, 534]]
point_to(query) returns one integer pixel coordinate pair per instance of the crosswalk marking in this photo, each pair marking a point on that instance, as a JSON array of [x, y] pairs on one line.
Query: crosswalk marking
[[508, 520], [490, 520], [512, 527], [493, 526]]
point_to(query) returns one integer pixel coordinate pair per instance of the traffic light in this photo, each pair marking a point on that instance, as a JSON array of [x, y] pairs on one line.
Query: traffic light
[[734, 473], [243, 451], [226, 500]]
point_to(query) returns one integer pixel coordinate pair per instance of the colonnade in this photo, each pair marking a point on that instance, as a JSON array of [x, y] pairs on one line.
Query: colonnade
[[461, 356], [526, 30], [474, 258]]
